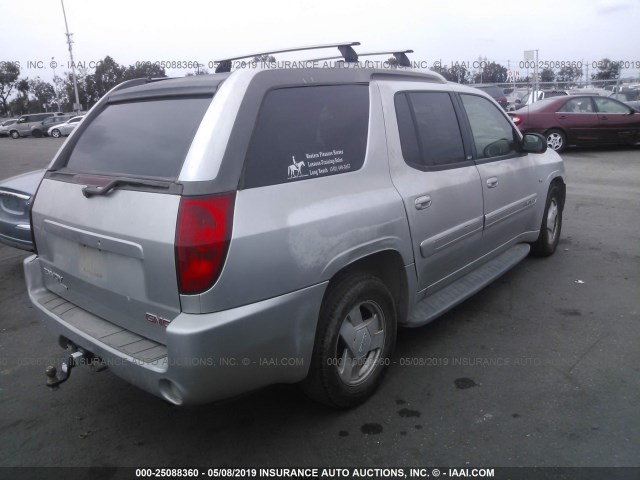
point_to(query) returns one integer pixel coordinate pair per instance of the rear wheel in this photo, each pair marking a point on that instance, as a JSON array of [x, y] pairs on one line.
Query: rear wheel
[[551, 226], [14, 134], [556, 140], [355, 337], [55, 133]]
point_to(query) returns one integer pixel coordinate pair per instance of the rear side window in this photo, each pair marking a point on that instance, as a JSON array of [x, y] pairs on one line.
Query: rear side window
[[139, 138], [429, 130], [308, 132], [610, 106]]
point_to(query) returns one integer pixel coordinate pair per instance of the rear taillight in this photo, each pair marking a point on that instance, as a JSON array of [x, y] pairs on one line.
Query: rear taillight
[[202, 239], [516, 120]]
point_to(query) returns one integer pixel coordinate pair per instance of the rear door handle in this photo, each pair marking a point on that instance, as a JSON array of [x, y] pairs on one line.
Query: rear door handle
[[422, 202], [562, 117], [492, 182]]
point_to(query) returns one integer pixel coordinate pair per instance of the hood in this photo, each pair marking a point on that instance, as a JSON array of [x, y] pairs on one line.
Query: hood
[[26, 182]]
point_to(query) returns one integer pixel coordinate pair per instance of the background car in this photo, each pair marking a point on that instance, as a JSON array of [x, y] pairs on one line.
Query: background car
[[580, 120], [496, 92], [15, 199], [589, 91], [4, 126], [540, 95], [24, 125], [42, 128], [630, 97], [515, 98], [64, 129]]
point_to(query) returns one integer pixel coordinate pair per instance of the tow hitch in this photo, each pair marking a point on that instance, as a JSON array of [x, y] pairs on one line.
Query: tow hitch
[[74, 359]]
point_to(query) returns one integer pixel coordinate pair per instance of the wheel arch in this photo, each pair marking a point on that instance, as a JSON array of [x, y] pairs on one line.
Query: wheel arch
[[560, 183], [567, 138], [389, 267]]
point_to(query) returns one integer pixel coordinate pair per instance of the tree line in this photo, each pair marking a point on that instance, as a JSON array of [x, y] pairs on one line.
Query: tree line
[[20, 95], [492, 72]]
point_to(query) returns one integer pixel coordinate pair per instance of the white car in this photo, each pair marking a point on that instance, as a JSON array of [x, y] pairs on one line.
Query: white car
[[65, 128]]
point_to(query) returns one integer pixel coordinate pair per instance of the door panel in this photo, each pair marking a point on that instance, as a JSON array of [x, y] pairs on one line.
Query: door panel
[[508, 178], [617, 124], [439, 186], [445, 235]]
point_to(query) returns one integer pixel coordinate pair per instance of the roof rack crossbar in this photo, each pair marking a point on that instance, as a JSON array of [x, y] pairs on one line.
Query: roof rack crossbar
[[346, 50], [399, 55]]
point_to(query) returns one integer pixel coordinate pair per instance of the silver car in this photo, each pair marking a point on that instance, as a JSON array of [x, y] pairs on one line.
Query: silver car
[[4, 126], [26, 123], [64, 129], [278, 225]]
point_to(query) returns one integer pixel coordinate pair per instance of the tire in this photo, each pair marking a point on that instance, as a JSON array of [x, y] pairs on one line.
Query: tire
[[14, 134], [36, 134], [355, 338], [551, 226], [55, 133], [556, 140]]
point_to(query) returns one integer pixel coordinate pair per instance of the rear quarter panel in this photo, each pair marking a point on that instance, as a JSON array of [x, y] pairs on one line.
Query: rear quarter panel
[[293, 235]]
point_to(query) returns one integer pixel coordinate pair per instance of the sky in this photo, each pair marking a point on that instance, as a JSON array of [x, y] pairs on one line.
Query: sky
[[204, 31]]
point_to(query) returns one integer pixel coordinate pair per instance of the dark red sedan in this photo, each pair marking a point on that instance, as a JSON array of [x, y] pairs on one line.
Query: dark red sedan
[[580, 120]]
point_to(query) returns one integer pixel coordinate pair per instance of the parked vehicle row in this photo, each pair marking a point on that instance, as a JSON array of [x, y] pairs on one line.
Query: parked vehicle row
[[518, 98], [39, 125]]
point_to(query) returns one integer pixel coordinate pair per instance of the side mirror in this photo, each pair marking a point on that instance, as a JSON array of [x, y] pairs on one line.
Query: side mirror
[[534, 143]]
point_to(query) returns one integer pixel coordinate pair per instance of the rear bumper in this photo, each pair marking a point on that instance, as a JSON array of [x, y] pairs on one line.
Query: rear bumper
[[208, 356]]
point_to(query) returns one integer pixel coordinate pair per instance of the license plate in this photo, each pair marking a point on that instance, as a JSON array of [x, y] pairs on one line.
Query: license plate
[[91, 262]]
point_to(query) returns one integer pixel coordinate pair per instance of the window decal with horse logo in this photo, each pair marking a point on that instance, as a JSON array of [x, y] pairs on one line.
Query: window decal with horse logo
[[295, 170]]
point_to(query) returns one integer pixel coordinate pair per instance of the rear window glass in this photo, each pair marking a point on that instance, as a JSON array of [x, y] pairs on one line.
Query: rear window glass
[[140, 138], [308, 132]]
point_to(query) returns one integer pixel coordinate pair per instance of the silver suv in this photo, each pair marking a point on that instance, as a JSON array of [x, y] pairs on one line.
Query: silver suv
[[278, 225]]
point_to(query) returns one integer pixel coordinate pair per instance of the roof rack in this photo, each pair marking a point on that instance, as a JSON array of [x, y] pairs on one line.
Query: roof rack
[[399, 55], [346, 50]]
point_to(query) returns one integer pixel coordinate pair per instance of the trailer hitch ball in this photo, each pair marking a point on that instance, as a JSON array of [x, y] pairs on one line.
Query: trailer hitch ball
[[53, 380]]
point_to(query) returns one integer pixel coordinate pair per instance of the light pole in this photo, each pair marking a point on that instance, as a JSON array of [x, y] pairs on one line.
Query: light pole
[[76, 106], [55, 84]]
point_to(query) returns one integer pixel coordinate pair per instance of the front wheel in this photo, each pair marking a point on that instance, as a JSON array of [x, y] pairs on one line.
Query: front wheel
[[551, 226], [55, 133], [355, 338], [14, 134], [556, 140]]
